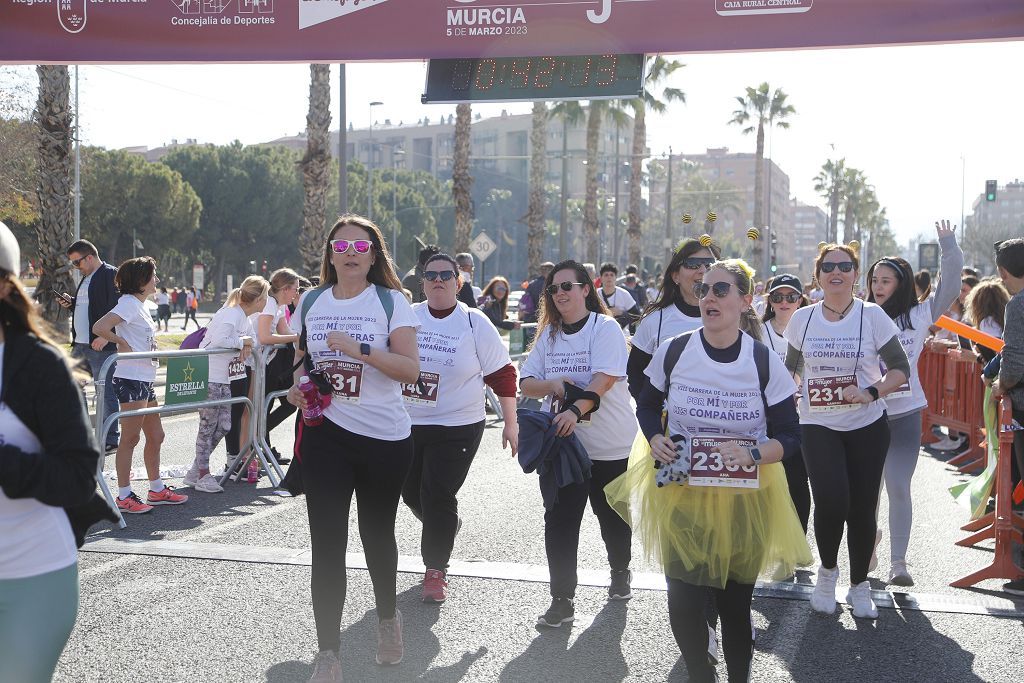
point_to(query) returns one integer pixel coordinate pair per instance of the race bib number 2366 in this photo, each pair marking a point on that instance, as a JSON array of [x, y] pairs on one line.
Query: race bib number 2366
[[708, 469]]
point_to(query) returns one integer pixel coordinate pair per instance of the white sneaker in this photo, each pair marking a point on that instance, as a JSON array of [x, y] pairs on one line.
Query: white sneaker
[[823, 599], [859, 598], [899, 576], [873, 562], [192, 476], [208, 484], [712, 646], [947, 444]]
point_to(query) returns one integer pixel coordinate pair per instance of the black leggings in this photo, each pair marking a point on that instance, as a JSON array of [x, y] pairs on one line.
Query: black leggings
[[336, 463], [799, 490], [687, 616], [234, 438], [562, 527], [441, 462], [845, 469]]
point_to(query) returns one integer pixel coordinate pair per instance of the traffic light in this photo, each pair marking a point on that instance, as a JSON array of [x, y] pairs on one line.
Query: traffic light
[[990, 190], [774, 252]]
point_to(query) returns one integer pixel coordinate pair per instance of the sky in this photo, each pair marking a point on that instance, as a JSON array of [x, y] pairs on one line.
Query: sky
[[920, 121]]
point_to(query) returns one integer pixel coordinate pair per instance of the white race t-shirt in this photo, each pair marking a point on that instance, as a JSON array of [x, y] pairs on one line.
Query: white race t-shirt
[[275, 312], [34, 538], [454, 359], [774, 341], [830, 350], [163, 299], [82, 327], [225, 331], [991, 326], [708, 398], [365, 400], [911, 397], [672, 322], [137, 329], [620, 299], [598, 347]]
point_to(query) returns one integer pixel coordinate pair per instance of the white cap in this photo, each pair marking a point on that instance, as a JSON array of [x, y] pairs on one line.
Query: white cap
[[10, 253]]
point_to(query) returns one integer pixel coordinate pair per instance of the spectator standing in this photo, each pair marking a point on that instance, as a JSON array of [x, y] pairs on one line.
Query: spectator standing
[[1010, 264], [413, 280], [163, 308], [191, 306], [174, 299], [468, 294], [620, 303], [494, 303], [95, 296], [529, 304]]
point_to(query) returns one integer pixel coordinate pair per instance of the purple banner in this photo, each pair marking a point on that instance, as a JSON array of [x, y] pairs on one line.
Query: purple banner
[[135, 31]]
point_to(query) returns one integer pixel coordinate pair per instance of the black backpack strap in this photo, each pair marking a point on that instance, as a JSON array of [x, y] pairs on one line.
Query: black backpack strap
[[672, 354], [761, 353]]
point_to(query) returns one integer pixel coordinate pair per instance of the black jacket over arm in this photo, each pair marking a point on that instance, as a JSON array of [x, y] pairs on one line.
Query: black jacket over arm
[[39, 390], [103, 297]]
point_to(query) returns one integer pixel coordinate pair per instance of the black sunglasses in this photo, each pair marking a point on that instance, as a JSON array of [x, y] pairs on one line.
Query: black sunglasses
[[720, 289], [779, 298], [444, 275], [566, 287], [695, 262], [829, 266], [76, 261]]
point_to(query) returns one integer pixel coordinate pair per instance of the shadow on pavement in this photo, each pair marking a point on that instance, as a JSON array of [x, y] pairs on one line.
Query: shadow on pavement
[[595, 655]]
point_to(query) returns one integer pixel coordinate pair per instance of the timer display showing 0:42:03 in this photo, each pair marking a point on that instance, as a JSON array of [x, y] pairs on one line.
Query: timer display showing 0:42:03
[[526, 78]]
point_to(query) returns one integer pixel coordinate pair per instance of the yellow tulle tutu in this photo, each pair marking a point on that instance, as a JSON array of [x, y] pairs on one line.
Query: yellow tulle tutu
[[709, 535]]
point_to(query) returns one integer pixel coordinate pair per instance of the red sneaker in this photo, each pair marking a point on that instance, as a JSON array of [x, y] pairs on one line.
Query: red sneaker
[[166, 497], [434, 586], [132, 505]]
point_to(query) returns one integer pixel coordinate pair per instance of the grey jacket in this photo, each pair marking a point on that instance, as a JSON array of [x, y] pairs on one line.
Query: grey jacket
[[1011, 371]]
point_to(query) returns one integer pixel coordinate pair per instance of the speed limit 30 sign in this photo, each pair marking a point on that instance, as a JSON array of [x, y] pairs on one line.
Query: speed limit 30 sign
[[482, 246]]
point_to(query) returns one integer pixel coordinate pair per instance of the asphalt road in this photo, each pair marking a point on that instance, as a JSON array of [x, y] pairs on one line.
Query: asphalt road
[[248, 617]]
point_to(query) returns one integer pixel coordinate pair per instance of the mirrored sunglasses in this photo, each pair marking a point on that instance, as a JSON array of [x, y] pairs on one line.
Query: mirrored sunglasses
[[566, 287], [342, 246], [444, 275], [844, 266], [695, 262], [779, 298], [719, 289]]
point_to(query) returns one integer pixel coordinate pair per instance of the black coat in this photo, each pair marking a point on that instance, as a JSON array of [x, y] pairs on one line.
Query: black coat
[[39, 389], [103, 296]]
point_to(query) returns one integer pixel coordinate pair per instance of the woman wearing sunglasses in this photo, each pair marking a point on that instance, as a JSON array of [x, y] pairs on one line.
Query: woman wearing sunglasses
[[785, 295], [892, 284], [719, 527], [839, 347], [460, 351], [578, 344], [674, 311], [495, 304], [360, 332]]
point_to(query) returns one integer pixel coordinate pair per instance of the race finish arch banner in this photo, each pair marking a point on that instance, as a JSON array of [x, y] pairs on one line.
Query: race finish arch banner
[[179, 31]]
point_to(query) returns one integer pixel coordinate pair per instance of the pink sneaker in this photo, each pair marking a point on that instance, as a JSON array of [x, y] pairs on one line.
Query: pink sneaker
[[434, 585], [132, 505], [166, 497]]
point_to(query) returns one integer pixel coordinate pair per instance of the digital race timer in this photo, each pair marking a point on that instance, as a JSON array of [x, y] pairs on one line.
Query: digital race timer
[[510, 79]]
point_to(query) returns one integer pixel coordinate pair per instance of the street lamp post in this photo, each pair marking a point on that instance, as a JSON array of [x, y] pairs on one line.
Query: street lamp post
[[369, 167], [396, 152]]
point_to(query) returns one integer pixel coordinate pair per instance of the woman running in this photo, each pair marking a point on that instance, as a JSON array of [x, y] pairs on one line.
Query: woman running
[[674, 311], [716, 512], [838, 347], [460, 351], [893, 288], [578, 344], [360, 334]]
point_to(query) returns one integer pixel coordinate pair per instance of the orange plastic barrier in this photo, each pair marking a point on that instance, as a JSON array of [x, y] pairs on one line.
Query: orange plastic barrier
[[952, 384], [968, 332], [1004, 525]]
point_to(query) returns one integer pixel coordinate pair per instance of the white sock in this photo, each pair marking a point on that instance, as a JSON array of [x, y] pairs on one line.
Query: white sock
[[157, 485], [124, 491]]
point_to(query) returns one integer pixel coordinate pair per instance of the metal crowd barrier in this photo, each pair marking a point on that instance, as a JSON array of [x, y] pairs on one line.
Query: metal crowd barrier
[[105, 422]]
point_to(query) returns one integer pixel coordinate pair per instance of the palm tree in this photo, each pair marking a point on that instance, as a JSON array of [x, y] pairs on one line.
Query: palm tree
[[659, 70], [854, 187], [571, 113], [768, 108], [316, 165], [54, 228], [829, 184], [597, 111], [538, 171], [462, 181]]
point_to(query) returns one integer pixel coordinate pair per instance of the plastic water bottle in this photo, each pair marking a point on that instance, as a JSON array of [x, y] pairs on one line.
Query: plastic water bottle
[[313, 413], [254, 471]]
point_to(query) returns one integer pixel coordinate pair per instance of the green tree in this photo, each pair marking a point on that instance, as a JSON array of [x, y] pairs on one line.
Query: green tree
[[597, 112], [855, 192], [829, 184], [570, 113], [538, 171], [656, 98]]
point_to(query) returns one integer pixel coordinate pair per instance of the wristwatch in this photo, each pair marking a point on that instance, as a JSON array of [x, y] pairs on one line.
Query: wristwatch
[[874, 393], [755, 455], [364, 349], [575, 411]]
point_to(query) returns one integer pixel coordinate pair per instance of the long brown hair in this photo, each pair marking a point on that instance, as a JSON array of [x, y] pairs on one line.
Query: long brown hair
[[489, 292], [382, 272], [548, 315], [987, 300], [19, 314], [669, 293]]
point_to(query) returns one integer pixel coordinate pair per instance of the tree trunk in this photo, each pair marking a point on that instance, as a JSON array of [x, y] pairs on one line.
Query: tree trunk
[[834, 213], [54, 228], [538, 172], [591, 228], [636, 163], [316, 166], [759, 222], [462, 181]]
